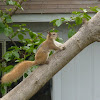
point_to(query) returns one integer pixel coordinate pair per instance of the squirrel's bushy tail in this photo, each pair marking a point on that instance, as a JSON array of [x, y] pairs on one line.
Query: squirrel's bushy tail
[[17, 71]]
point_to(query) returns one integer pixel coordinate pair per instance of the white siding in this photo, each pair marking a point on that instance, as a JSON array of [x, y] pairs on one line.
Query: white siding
[[80, 79]]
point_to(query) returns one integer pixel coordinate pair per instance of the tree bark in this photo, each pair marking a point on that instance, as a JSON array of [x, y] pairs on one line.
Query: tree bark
[[87, 34]]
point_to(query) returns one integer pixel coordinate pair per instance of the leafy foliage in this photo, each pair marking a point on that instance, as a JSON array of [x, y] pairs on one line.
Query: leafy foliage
[[75, 20], [14, 3], [95, 9]]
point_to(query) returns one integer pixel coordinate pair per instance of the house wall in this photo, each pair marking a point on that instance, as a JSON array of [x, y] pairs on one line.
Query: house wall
[[79, 80], [53, 6], [40, 27]]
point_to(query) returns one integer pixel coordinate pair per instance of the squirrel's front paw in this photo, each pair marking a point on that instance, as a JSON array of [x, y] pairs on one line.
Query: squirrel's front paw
[[47, 62], [63, 48]]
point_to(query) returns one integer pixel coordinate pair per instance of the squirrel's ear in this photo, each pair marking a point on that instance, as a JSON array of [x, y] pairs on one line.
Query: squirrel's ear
[[49, 33]]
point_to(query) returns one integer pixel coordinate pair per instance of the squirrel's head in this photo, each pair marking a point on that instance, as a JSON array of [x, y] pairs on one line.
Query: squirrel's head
[[52, 35]]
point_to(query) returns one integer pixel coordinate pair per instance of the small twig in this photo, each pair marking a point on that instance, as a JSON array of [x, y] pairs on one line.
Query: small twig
[[12, 41], [53, 27], [12, 13], [48, 29], [15, 8]]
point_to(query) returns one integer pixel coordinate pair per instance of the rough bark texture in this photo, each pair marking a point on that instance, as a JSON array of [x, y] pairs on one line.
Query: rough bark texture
[[87, 34]]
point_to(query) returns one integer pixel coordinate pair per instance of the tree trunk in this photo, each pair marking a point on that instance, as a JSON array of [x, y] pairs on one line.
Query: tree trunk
[[87, 34]]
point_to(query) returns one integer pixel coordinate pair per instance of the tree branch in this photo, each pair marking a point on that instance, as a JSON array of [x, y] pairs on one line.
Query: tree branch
[[12, 41], [15, 8]]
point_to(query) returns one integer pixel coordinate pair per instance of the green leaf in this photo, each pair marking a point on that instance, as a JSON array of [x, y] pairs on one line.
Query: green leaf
[[25, 75], [3, 90], [20, 36], [78, 20], [75, 12], [23, 25], [29, 45], [63, 19], [37, 43], [95, 9], [86, 16], [8, 31], [7, 56], [71, 32], [2, 27], [10, 9], [32, 34], [7, 2], [34, 50], [58, 22], [59, 40], [20, 60], [7, 18], [17, 61], [84, 10], [98, 9], [26, 47], [16, 25], [53, 30], [30, 50], [16, 54], [11, 2], [18, 5], [8, 68], [31, 58], [54, 22], [14, 48]]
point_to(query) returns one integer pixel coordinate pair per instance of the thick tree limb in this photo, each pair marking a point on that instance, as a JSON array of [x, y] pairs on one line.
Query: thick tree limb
[[86, 35]]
